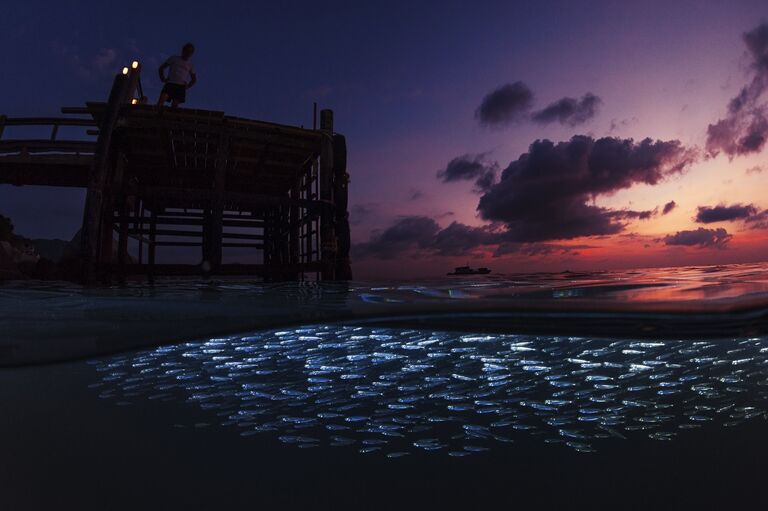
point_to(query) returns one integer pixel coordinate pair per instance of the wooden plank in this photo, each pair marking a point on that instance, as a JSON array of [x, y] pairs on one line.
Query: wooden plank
[[148, 144], [252, 224], [226, 269], [165, 232], [191, 234], [12, 146], [253, 199], [76, 110], [48, 121], [177, 243], [243, 245], [143, 129], [189, 114]]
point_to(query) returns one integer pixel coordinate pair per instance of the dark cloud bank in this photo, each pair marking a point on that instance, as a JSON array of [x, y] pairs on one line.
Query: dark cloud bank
[[723, 213], [417, 235], [750, 214], [545, 195], [507, 104], [701, 237], [668, 207], [470, 167], [744, 129], [569, 111], [421, 233], [512, 102]]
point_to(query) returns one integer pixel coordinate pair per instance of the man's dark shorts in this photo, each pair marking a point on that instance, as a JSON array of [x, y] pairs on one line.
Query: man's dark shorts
[[175, 92]]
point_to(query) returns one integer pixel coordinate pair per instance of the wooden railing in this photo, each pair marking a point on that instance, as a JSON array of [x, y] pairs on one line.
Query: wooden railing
[[45, 145]]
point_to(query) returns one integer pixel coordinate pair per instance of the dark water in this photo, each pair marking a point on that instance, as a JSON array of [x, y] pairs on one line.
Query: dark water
[[436, 395]]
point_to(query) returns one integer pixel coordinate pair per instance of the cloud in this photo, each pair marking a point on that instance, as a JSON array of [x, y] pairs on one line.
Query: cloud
[[755, 170], [668, 207], [104, 61], [753, 217], [701, 238], [87, 68], [569, 111], [417, 236], [744, 129], [723, 213], [486, 181], [466, 167], [628, 214], [415, 194], [459, 239], [407, 234], [548, 193], [619, 124], [470, 167], [539, 249], [758, 220], [359, 212], [505, 105]]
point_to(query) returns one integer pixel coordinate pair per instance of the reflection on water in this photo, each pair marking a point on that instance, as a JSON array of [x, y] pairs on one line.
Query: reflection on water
[[394, 391]]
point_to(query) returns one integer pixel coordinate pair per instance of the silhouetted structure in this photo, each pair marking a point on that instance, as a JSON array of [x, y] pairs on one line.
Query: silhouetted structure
[[193, 178]]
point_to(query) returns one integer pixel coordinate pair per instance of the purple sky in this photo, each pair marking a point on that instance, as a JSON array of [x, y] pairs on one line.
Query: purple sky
[[407, 81]]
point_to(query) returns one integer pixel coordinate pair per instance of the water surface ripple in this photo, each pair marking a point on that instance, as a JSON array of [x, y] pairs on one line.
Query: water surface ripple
[[49, 321]]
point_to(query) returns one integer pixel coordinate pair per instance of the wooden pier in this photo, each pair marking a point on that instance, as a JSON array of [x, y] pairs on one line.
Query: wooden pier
[[192, 178]]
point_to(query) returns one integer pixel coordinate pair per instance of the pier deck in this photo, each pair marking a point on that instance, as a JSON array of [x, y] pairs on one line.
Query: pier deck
[[192, 178]]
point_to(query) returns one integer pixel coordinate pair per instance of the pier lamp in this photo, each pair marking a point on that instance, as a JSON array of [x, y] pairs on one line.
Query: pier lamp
[[134, 101], [125, 70], [135, 64]]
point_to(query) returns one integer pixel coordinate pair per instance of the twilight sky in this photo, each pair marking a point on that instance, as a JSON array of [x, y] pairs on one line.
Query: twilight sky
[[517, 135]]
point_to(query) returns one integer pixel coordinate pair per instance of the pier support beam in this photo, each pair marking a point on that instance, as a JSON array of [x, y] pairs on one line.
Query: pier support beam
[[96, 232], [340, 203], [327, 220], [152, 244], [213, 224]]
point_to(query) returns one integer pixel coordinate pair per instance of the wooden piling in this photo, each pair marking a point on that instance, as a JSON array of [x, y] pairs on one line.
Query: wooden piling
[[327, 231], [152, 244], [95, 236]]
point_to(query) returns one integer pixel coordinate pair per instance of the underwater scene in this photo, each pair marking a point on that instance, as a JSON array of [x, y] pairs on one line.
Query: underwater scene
[[443, 393]]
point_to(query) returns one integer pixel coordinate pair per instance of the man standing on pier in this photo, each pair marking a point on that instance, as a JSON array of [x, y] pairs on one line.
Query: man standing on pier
[[181, 76]]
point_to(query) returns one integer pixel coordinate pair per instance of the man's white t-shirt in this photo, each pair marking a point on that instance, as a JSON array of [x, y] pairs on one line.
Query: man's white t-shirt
[[179, 70]]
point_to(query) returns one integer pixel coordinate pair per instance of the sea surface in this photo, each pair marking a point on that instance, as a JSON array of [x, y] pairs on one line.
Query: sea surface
[[644, 389]]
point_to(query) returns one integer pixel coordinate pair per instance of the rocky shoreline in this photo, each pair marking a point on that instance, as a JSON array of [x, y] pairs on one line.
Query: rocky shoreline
[[45, 259]]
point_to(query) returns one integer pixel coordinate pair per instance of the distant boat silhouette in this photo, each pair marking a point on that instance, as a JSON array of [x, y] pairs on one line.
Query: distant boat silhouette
[[466, 270]]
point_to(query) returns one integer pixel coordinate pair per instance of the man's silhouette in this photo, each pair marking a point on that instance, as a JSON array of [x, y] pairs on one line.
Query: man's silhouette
[[181, 76]]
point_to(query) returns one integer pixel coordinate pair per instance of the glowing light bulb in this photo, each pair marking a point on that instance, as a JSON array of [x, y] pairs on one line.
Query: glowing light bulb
[[135, 64], [134, 101], [125, 70]]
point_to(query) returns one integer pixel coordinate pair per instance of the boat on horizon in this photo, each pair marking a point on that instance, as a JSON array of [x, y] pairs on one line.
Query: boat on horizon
[[466, 270]]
